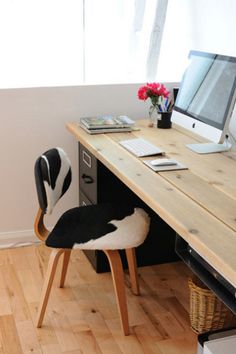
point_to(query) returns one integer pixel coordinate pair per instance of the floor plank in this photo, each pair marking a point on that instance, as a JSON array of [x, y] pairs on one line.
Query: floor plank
[[83, 317], [10, 342]]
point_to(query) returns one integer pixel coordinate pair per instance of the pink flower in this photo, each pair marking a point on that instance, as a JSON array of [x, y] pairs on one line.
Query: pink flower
[[153, 91], [142, 93]]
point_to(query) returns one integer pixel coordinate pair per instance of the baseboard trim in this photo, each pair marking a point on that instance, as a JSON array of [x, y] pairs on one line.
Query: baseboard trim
[[14, 239]]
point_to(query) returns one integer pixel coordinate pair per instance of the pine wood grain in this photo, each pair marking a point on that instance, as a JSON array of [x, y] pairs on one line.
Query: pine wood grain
[[10, 342], [82, 317], [199, 203]]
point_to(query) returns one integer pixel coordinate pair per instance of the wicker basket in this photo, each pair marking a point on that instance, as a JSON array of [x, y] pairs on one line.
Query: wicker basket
[[207, 312]]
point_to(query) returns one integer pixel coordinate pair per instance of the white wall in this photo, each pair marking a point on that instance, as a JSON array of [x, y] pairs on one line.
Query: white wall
[[33, 120], [213, 30], [213, 26]]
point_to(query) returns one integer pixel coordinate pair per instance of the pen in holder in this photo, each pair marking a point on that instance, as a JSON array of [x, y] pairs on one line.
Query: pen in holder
[[164, 120]]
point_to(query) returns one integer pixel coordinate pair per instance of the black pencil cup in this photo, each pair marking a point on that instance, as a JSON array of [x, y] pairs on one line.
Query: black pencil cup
[[165, 121]]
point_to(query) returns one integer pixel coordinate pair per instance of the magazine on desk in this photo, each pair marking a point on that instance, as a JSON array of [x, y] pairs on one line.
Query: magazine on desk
[[105, 130], [107, 122]]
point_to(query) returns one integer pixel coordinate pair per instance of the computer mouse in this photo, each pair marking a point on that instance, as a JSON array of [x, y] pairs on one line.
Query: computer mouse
[[163, 162]]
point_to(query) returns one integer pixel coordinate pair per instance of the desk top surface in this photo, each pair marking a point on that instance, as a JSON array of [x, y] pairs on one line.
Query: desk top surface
[[198, 203]]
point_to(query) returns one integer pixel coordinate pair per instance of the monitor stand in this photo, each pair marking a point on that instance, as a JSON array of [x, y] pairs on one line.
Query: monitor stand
[[209, 148]]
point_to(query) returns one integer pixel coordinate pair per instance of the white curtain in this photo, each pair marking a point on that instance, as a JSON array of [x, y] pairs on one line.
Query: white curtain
[[155, 39], [117, 36]]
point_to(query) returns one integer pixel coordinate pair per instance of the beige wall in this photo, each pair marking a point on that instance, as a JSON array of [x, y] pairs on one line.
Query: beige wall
[[33, 120]]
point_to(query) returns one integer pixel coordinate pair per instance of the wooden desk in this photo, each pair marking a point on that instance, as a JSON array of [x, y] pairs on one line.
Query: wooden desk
[[198, 203]]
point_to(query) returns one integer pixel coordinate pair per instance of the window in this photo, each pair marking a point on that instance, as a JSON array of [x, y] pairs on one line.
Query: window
[[177, 41], [74, 42], [117, 34], [41, 43]]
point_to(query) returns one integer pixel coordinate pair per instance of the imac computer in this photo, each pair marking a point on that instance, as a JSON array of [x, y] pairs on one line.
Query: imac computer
[[206, 99]]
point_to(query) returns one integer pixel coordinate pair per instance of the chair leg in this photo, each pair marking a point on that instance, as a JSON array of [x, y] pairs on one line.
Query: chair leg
[[51, 270], [66, 259], [119, 285], [133, 271]]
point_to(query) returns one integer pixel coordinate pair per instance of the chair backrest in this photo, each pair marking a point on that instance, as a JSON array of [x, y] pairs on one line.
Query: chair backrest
[[53, 177]]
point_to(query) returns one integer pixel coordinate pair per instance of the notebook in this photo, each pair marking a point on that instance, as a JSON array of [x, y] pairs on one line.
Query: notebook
[[178, 166]]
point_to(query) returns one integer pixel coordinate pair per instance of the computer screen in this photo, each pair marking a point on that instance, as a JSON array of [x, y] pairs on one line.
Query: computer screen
[[207, 93]]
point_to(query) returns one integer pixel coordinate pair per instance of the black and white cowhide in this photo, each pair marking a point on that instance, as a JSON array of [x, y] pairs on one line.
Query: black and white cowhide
[[53, 177], [101, 226]]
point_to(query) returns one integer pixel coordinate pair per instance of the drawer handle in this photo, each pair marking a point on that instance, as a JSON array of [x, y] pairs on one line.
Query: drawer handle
[[87, 159], [87, 179]]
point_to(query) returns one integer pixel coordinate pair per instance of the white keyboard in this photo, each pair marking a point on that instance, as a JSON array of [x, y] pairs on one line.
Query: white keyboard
[[141, 147]]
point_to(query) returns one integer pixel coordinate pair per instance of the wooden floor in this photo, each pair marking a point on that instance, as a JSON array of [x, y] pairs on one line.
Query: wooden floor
[[82, 317]]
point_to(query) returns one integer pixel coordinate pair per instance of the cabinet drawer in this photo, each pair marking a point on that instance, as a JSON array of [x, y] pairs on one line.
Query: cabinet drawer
[[96, 258], [83, 200], [88, 174]]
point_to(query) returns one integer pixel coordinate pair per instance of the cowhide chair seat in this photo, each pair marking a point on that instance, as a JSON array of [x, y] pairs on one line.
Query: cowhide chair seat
[[108, 227]]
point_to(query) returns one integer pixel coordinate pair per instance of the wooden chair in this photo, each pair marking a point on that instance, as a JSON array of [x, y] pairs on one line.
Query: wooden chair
[[108, 227]]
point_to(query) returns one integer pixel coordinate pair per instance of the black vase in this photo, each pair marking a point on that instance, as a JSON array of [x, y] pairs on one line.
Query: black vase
[[165, 121]]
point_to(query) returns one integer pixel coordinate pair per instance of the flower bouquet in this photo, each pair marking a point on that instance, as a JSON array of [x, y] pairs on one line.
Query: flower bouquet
[[159, 97]]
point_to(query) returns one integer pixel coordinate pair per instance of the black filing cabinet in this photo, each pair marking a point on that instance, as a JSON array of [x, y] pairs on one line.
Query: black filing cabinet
[[97, 184]]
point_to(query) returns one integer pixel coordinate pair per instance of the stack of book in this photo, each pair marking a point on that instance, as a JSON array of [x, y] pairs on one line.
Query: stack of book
[[106, 124]]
